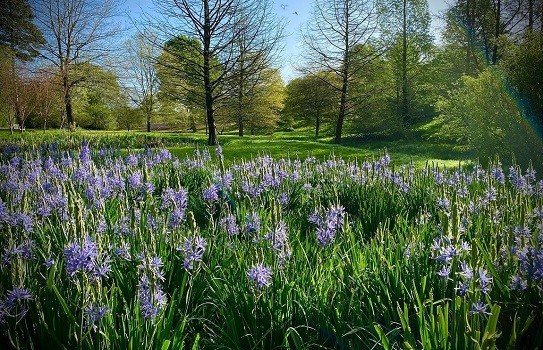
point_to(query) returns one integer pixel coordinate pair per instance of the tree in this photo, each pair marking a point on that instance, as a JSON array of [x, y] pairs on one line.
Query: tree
[[407, 25], [214, 27], [310, 100], [335, 29], [76, 32], [17, 31], [142, 83], [97, 98], [257, 47], [262, 108], [481, 113]]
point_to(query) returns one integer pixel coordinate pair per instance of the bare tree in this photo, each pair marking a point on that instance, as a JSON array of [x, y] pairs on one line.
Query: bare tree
[[20, 95], [216, 26], [257, 47], [76, 32], [142, 82], [336, 28]]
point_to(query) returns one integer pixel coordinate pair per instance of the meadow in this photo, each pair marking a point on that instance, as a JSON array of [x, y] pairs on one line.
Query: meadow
[[108, 243]]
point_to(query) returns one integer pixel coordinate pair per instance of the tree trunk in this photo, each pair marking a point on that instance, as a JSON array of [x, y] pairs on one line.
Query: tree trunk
[[342, 108], [240, 93], [148, 123], [496, 32], [212, 136], [530, 15], [317, 124], [345, 79], [405, 101], [68, 102]]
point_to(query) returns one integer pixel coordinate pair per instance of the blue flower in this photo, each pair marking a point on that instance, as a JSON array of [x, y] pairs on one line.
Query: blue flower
[[193, 251], [444, 272], [229, 225], [211, 194], [252, 223], [479, 308], [261, 275], [517, 283], [485, 281], [94, 314]]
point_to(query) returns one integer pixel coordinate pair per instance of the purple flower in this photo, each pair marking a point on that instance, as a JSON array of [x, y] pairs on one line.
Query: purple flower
[[211, 194], [84, 152], [193, 251], [444, 272], [466, 272], [443, 204], [94, 314], [517, 283], [135, 180], [283, 199], [131, 160], [463, 288], [252, 223], [479, 308], [261, 275], [85, 258], [485, 281], [229, 225], [218, 151], [152, 298]]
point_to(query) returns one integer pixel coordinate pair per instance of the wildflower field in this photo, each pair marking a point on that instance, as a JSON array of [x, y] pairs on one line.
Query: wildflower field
[[104, 248]]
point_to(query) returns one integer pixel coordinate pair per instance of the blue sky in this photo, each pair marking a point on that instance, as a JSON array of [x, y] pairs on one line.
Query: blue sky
[[295, 13]]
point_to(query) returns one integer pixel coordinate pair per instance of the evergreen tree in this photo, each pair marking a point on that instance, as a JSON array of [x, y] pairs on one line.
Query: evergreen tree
[[17, 32]]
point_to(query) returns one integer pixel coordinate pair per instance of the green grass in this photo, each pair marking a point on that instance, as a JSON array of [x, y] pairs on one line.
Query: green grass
[[295, 144]]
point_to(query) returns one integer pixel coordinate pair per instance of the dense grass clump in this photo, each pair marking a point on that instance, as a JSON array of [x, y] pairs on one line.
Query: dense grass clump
[[141, 250]]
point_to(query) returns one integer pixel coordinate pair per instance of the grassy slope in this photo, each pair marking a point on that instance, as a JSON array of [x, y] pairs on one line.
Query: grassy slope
[[300, 143]]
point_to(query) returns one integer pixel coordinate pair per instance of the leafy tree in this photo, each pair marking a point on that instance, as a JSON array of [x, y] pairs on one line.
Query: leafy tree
[[98, 98], [523, 64], [481, 113], [257, 47], [406, 23], [142, 84], [129, 118], [311, 101], [261, 109], [17, 31], [180, 89]]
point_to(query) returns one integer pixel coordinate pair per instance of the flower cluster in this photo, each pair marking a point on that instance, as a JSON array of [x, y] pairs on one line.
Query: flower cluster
[[260, 275], [14, 304], [329, 224], [193, 251], [85, 257]]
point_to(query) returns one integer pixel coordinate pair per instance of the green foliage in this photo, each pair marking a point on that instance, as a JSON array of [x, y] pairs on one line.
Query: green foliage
[[17, 32], [97, 99], [523, 64], [481, 113], [311, 101]]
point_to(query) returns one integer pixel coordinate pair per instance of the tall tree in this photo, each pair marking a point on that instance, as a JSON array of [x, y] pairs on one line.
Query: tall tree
[[142, 82], [261, 108], [76, 32], [407, 24], [335, 29], [216, 26], [257, 47], [20, 39]]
